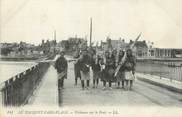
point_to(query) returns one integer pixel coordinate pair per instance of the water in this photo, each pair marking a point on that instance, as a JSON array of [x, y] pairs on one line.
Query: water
[[161, 70], [9, 69]]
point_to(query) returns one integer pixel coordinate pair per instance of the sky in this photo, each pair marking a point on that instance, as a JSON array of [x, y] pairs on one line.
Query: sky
[[159, 21]]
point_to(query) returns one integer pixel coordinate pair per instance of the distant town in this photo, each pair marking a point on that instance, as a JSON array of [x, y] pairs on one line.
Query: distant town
[[142, 49]]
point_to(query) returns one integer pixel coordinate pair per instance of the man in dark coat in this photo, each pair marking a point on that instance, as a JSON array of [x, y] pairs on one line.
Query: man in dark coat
[[61, 66]]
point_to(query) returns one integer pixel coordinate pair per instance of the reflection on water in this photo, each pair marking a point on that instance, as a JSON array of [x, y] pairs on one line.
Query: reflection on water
[[12, 68]]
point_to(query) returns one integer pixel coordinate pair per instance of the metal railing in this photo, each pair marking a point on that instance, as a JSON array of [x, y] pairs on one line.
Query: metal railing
[[161, 69], [17, 90]]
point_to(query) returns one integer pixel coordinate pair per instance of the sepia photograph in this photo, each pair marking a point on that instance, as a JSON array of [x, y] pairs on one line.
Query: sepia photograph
[[90, 58]]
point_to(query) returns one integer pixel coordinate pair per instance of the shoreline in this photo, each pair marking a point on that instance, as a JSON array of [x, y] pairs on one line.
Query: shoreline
[[18, 59], [5, 58]]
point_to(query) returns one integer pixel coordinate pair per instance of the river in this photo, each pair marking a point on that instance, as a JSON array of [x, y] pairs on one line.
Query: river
[[161, 70], [9, 69]]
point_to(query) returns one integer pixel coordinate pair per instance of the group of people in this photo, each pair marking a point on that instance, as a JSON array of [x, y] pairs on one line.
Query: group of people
[[104, 68]]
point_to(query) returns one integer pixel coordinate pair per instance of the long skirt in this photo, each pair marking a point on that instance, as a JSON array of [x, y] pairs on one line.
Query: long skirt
[[120, 76], [96, 75], [129, 75], [108, 75], [77, 71], [85, 75]]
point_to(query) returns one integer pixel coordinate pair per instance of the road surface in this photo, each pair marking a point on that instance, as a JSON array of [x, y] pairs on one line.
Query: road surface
[[143, 94]]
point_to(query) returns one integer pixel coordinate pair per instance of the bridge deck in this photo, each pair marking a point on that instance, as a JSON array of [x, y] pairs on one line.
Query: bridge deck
[[143, 94], [46, 93]]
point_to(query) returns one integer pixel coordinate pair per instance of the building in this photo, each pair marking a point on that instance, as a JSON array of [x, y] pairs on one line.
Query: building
[[164, 53], [114, 44], [73, 43], [140, 48]]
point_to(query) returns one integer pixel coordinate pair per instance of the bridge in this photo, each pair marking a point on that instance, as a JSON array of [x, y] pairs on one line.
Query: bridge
[[37, 86]]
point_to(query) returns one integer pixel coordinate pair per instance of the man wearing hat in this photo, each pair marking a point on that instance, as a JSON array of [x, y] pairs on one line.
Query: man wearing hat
[[61, 66]]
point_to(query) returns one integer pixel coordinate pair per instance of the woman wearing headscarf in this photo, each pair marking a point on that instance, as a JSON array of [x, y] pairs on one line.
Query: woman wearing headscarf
[[77, 71], [129, 67], [120, 76], [85, 62], [96, 68], [108, 71]]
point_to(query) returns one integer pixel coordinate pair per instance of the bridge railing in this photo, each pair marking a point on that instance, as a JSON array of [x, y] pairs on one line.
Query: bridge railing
[[17, 90], [163, 70]]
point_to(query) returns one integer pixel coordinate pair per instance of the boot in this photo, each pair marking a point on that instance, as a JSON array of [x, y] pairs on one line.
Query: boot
[[88, 84], [75, 81], [82, 82]]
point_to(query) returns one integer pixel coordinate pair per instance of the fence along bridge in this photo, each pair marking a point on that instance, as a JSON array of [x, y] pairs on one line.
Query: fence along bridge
[[38, 86]]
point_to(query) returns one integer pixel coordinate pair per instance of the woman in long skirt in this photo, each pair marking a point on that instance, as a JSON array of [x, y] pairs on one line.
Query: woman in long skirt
[[129, 67], [85, 69], [96, 68], [77, 71], [108, 72], [120, 76]]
